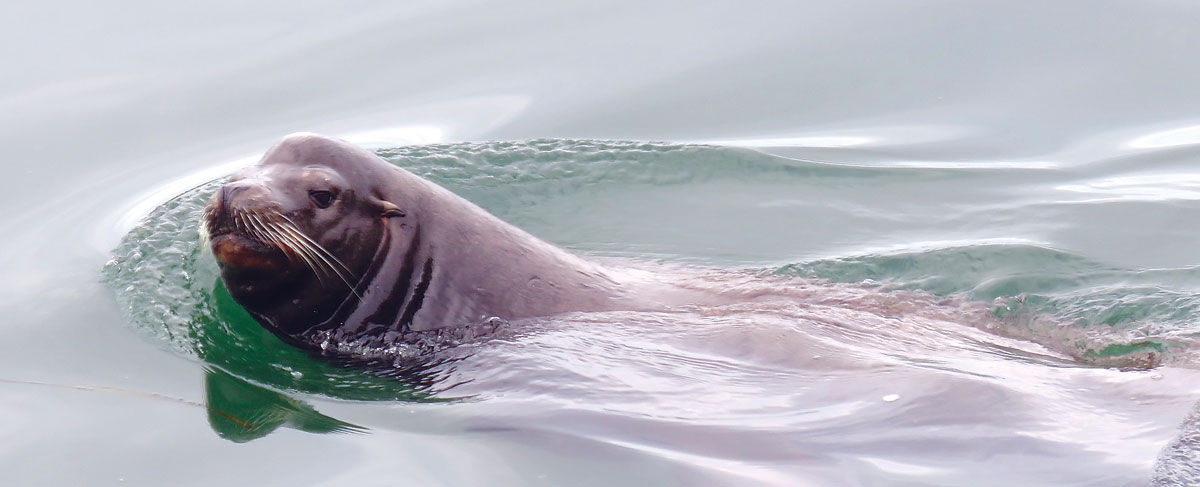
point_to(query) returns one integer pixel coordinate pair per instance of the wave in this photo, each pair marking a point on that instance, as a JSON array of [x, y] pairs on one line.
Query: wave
[[1100, 314]]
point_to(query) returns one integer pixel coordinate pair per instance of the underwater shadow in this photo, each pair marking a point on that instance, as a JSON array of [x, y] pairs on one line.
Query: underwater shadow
[[240, 411]]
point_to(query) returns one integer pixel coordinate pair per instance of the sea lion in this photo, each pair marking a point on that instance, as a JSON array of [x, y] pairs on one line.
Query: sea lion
[[323, 236]]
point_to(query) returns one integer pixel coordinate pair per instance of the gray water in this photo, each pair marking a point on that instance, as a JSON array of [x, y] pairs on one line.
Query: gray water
[[969, 227]]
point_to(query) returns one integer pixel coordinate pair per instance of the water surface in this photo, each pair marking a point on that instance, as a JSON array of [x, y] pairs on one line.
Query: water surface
[[974, 224]]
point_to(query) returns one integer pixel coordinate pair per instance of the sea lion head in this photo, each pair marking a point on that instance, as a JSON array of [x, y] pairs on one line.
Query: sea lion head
[[295, 234]]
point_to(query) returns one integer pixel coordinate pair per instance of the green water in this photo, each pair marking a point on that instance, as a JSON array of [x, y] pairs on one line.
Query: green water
[[970, 230]]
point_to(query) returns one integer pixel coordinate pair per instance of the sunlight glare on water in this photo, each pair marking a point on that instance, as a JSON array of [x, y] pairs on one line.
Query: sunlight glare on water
[[1168, 138]]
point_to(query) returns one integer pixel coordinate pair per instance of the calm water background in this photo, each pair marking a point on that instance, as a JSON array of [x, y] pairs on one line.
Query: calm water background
[[1017, 182]]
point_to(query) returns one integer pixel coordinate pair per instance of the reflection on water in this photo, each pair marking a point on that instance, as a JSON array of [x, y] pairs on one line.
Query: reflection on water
[[240, 411]]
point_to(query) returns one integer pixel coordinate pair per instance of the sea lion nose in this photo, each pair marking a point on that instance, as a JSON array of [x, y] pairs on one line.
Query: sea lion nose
[[244, 194], [227, 193]]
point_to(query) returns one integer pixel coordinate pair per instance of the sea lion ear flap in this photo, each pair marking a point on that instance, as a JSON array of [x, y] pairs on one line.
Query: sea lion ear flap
[[387, 209]]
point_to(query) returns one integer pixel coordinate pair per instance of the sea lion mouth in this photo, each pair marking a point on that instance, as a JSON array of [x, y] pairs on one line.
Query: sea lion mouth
[[238, 250], [249, 240], [236, 245], [237, 237]]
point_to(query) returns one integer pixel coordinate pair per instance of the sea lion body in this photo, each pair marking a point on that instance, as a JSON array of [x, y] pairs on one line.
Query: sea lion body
[[321, 235]]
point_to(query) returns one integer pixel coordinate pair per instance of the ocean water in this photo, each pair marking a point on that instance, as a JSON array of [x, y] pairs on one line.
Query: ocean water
[[967, 230]]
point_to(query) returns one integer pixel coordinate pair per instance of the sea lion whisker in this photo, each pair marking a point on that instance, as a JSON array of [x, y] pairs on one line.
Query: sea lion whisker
[[239, 221], [249, 227], [303, 247], [340, 270], [315, 251], [303, 252], [292, 225], [255, 228], [288, 246], [324, 256], [207, 217], [273, 237]]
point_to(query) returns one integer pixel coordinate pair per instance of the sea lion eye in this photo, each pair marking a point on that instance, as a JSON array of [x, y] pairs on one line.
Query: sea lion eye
[[322, 198]]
